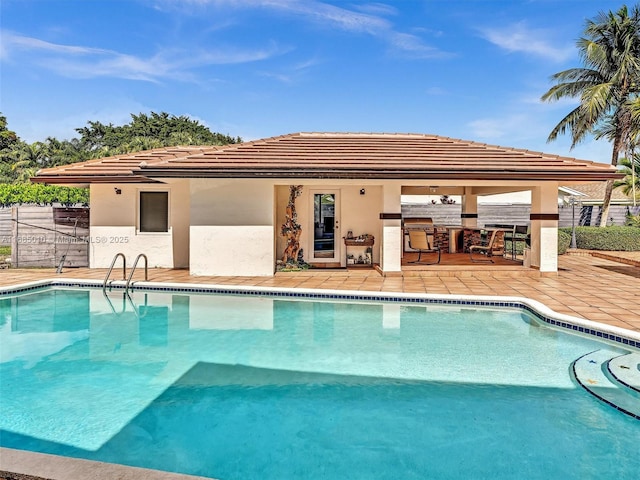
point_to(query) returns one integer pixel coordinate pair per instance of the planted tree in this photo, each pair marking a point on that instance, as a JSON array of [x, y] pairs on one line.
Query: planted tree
[[630, 184], [606, 85]]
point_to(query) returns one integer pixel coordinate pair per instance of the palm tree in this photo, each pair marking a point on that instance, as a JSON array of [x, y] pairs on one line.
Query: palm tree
[[606, 85], [630, 184]]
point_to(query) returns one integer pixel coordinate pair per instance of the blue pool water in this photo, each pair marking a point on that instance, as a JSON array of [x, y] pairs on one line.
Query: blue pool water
[[253, 387]]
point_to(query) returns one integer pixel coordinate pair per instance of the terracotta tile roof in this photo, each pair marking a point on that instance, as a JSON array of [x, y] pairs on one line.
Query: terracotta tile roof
[[339, 155], [594, 192], [113, 169]]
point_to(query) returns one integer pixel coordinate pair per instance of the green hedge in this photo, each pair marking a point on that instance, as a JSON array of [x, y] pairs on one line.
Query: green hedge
[[564, 241], [614, 238], [38, 194]]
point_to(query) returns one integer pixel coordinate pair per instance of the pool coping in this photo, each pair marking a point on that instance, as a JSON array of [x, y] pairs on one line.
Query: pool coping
[[28, 465], [617, 335]]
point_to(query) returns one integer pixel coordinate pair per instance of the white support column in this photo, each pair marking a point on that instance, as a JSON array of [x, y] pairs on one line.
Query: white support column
[[469, 214], [544, 227], [391, 251]]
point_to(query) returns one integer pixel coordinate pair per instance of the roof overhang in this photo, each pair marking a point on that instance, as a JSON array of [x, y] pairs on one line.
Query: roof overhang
[[348, 156], [356, 174], [86, 180]]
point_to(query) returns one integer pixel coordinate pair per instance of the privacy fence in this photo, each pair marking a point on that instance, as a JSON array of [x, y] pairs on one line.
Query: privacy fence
[[46, 236], [517, 214]]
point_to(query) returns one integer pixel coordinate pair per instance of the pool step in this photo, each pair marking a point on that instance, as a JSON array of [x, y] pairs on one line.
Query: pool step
[[591, 372], [626, 370]]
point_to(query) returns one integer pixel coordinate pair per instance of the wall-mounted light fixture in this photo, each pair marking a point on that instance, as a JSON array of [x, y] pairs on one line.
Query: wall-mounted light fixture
[[362, 191], [117, 190]]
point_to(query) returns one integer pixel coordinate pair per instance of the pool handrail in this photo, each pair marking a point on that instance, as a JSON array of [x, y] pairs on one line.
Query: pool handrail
[[133, 269], [113, 262]]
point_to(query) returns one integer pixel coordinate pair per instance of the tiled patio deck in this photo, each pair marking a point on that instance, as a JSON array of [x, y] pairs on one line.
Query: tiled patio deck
[[586, 286]]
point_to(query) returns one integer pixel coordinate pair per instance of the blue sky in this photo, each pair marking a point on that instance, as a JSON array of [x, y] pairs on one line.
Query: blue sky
[[470, 69]]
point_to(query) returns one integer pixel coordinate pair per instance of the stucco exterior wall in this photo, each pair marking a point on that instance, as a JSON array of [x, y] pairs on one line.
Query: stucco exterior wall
[[232, 227], [114, 226], [361, 213]]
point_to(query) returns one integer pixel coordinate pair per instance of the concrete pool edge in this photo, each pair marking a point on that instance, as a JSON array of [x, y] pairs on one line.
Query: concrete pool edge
[[617, 335], [56, 467]]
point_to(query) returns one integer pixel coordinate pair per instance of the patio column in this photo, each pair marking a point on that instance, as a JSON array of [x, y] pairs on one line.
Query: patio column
[[469, 215], [544, 227], [391, 215]]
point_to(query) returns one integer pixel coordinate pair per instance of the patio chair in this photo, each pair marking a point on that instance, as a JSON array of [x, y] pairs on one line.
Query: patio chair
[[488, 248], [520, 234], [415, 223], [422, 241]]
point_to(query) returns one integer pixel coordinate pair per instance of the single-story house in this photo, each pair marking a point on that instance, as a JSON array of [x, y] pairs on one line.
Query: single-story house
[[593, 194], [219, 210], [588, 199]]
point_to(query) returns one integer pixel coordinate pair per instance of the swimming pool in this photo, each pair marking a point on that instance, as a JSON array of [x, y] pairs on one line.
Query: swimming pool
[[297, 386]]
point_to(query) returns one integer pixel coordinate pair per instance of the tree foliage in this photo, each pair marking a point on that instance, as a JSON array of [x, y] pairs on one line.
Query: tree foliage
[[630, 184], [19, 161], [607, 84], [146, 132], [7, 137]]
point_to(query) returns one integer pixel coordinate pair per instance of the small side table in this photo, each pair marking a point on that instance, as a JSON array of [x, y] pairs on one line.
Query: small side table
[[362, 243]]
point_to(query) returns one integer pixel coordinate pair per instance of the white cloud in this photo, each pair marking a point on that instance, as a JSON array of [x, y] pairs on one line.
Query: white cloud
[[493, 129], [595, 150], [377, 9], [85, 62], [510, 129], [292, 73], [519, 38], [369, 19], [414, 47], [23, 43], [529, 131]]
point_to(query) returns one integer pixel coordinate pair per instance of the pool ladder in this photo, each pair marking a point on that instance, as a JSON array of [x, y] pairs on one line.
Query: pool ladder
[[124, 270]]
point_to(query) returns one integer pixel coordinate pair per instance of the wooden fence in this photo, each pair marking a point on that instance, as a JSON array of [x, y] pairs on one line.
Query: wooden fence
[[5, 227], [517, 214], [49, 236]]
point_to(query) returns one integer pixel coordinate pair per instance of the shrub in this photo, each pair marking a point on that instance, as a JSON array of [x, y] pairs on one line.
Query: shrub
[[564, 241], [38, 194], [614, 238], [633, 221]]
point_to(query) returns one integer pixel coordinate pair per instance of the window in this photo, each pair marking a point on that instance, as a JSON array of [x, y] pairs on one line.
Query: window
[[154, 211]]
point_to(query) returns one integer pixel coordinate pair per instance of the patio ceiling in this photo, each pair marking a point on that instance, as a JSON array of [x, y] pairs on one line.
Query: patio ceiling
[[336, 156]]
